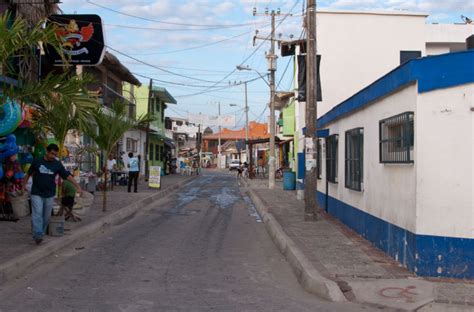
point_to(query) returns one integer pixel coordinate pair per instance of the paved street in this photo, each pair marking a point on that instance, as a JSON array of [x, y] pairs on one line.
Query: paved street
[[202, 250]]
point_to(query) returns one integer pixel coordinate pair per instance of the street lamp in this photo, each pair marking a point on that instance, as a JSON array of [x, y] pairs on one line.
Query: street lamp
[[240, 67], [271, 84], [246, 123]]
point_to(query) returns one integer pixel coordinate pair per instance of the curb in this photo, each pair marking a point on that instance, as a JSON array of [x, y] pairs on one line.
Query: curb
[[14, 268], [310, 278]]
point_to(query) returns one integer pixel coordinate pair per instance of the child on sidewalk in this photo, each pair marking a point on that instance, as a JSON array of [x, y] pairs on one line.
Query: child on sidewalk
[[67, 201]]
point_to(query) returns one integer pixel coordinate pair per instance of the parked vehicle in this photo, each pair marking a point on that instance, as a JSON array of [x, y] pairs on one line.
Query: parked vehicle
[[234, 164]]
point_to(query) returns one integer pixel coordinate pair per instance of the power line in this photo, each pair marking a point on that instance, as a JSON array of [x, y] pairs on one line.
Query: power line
[[183, 68], [195, 47], [284, 72], [160, 68], [196, 86], [170, 23], [251, 54]]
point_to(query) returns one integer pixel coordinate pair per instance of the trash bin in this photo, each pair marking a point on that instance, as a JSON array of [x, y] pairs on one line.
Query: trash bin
[[289, 181]]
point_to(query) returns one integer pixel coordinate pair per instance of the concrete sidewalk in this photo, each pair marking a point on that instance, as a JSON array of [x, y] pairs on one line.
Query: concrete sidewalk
[[19, 252], [327, 253]]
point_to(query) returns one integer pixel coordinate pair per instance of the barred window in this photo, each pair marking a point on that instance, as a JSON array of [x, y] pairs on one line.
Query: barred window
[[318, 158], [131, 145], [354, 169], [157, 152], [396, 139], [331, 157]]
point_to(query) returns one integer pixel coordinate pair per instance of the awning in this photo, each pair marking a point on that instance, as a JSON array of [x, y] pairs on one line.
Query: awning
[[163, 95], [158, 136]]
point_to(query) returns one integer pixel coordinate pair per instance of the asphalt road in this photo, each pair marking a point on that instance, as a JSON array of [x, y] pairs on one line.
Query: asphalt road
[[202, 250]]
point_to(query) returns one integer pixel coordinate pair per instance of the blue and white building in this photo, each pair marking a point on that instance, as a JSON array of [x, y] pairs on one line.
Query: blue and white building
[[397, 164]]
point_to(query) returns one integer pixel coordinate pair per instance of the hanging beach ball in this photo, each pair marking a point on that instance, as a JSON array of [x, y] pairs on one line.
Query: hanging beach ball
[[10, 117]]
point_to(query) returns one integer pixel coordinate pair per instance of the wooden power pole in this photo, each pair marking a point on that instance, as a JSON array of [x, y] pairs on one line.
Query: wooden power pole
[[147, 136], [311, 180]]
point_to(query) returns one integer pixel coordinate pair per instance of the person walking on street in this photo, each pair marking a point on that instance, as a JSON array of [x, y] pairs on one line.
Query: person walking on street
[[111, 168], [133, 170], [44, 171]]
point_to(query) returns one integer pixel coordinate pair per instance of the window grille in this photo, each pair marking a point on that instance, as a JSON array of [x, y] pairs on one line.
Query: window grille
[[354, 169], [318, 158], [157, 152], [150, 157], [396, 135], [331, 157]]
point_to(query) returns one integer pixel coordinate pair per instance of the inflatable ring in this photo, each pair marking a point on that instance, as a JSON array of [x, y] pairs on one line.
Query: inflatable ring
[[10, 117], [8, 148]]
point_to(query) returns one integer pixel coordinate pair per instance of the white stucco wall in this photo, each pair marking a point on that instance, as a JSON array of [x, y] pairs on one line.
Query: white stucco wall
[[445, 170], [389, 189], [140, 136], [448, 33], [357, 48]]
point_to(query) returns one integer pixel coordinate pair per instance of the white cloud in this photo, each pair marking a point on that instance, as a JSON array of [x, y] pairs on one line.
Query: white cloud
[[446, 6], [223, 7]]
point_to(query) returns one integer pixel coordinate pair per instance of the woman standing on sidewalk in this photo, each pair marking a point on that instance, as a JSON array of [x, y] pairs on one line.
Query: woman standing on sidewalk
[[44, 171]]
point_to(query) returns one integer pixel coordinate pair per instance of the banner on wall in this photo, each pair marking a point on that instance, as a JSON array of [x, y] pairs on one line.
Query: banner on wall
[[154, 179]]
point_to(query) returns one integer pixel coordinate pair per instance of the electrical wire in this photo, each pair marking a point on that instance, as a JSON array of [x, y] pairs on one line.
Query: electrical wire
[[170, 23], [160, 68], [284, 72], [251, 54], [195, 47]]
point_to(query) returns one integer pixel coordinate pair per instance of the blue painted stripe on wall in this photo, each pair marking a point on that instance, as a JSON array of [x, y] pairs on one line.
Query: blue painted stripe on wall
[[432, 73], [301, 166], [323, 133], [426, 255]]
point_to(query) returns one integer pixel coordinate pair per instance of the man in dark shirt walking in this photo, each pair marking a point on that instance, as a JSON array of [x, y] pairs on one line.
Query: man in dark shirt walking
[[44, 171]]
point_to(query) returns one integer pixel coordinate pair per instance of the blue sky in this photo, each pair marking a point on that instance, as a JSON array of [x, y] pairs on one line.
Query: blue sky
[[192, 59]]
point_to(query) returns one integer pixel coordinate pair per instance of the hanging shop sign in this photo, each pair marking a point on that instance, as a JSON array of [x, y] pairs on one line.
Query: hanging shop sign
[[82, 40], [154, 179]]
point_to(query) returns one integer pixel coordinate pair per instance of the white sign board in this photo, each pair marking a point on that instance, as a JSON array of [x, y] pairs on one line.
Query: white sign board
[[207, 120], [154, 178]]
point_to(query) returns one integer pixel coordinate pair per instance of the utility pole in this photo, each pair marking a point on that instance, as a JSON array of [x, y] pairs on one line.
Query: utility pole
[[147, 138], [272, 68], [246, 123], [311, 180], [219, 138], [272, 62], [199, 147]]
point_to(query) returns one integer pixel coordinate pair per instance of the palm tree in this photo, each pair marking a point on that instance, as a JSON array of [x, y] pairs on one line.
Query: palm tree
[[66, 106], [110, 125], [19, 41]]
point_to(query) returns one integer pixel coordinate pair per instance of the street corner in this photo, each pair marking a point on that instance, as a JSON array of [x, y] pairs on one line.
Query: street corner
[[404, 294]]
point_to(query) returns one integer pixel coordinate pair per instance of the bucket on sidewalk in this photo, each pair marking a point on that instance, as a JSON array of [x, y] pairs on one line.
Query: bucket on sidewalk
[[56, 226], [289, 181]]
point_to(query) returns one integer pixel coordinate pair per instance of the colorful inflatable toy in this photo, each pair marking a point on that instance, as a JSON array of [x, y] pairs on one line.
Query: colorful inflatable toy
[[8, 148], [10, 117], [26, 158], [39, 151]]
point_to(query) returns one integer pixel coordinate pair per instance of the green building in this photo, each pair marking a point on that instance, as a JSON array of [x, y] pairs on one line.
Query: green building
[[159, 151]]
